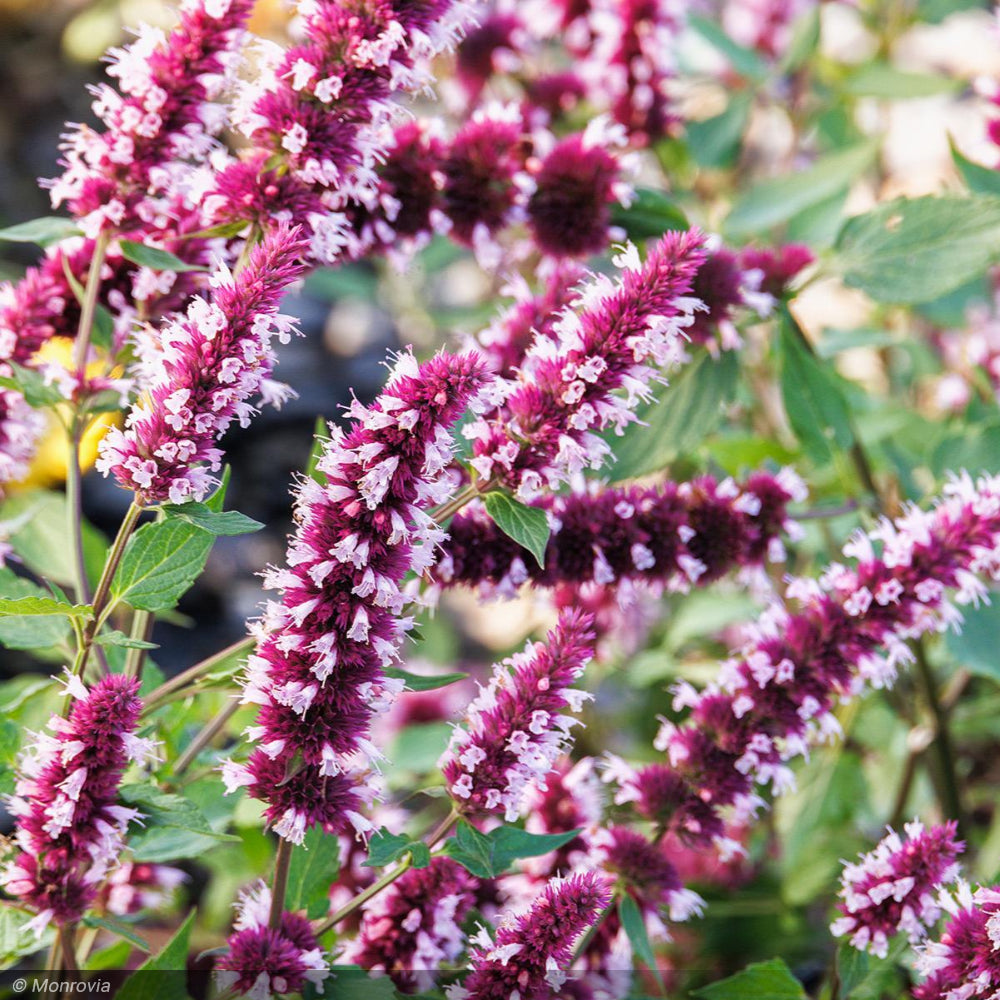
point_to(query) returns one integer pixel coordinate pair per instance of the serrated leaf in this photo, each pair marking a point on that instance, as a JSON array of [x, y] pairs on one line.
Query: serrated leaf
[[142, 985], [123, 930], [635, 927], [155, 258], [386, 847], [776, 200], [44, 231], [313, 869], [649, 216], [488, 855], [813, 401], [918, 249], [761, 981], [528, 526], [113, 637], [691, 408], [217, 522], [161, 561], [424, 682], [33, 606], [37, 393]]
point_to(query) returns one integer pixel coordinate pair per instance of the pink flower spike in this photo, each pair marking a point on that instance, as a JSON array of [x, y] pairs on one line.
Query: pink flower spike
[[894, 888]]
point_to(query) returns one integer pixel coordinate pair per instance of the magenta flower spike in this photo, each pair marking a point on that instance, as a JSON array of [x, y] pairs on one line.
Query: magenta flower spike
[[264, 960], [669, 535], [515, 729], [894, 888], [532, 952], [415, 926], [202, 374], [318, 670], [610, 340], [70, 829]]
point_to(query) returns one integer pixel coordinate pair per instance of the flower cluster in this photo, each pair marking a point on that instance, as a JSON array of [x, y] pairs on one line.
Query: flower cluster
[[565, 390], [415, 926], [69, 826], [849, 631], [669, 535], [159, 129], [540, 939], [496, 171], [201, 375], [964, 963], [318, 114], [264, 960], [894, 888], [514, 731], [317, 673], [132, 887]]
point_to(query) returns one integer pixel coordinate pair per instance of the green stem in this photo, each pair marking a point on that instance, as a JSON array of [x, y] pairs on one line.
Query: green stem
[[103, 590], [279, 884], [582, 944], [456, 503], [67, 933], [88, 307], [169, 688], [142, 629], [386, 880], [205, 737]]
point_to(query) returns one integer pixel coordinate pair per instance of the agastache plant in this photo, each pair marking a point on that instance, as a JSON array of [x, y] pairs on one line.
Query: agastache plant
[[650, 529]]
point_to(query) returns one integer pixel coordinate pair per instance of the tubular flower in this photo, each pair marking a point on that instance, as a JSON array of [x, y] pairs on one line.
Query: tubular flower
[[321, 110], [201, 376], [850, 631], [493, 46], [540, 940], [894, 887], [566, 388], [265, 960], [514, 730], [672, 535], [317, 672], [163, 117], [415, 926], [69, 826], [964, 964]]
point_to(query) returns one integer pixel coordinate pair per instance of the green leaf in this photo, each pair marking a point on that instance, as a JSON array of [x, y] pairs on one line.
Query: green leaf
[[174, 827], [528, 526], [104, 325], [863, 977], [384, 848], [37, 393], [218, 499], [161, 561], [230, 522], [423, 682], [488, 855], [155, 258], [223, 229], [313, 869], [635, 928], [916, 250], [980, 179], [44, 231], [34, 606], [650, 215], [114, 956], [976, 647], [715, 142], [418, 746], [173, 958], [321, 435], [113, 637], [121, 929], [355, 983], [879, 79], [691, 408], [813, 400], [804, 41], [744, 61], [41, 536], [761, 981], [777, 200]]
